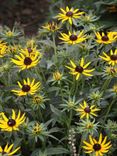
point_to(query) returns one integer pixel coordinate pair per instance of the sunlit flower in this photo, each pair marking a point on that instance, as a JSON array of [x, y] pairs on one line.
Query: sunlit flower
[[87, 126], [89, 18], [99, 148], [115, 34], [38, 101], [26, 61], [12, 123], [3, 48], [110, 72], [69, 14], [8, 150], [57, 76], [51, 26], [69, 104], [31, 51], [8, 34], [81, 69], [37, 130], [31, 43], [111, 59], [96, 96], [84, 110], [27, 87], [115, 88], [105, 38], [73, 38]]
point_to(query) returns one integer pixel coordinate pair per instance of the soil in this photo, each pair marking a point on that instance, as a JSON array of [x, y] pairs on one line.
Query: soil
[[29, 13]]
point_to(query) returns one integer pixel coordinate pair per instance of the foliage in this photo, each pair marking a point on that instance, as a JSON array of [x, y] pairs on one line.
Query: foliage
[[59, 88]]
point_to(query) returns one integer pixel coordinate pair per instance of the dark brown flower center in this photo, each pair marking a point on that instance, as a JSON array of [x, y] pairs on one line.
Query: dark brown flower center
[[27, 61], [97, 147], [79, 69], [113, 57], [105, 38], [29, 50], [69, 14], [52, 26], [11, 122], [73, 37], [25, 88], [87, 109]]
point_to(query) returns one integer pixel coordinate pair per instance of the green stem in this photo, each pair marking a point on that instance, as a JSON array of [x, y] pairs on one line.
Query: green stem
[[41, 73], [55, 49], [73, 86], [80, 146], [40, 115], [109, 108], [105, 85], [43, 76], [61, 91], [70, 118], [69, 27], [76, 89]]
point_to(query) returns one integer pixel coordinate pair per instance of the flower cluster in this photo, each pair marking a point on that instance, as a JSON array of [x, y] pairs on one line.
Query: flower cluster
[[59, 88]]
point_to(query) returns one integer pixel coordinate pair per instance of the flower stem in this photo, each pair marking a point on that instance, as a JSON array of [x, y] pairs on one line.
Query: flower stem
[[109, 108], [76, 89], [80, 146], [40, 115], [55, 50], [105, 85], [73, 86], [61, 91], [70, 118]]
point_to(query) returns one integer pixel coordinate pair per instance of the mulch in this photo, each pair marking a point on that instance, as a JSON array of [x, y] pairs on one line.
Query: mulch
[[29, 13]]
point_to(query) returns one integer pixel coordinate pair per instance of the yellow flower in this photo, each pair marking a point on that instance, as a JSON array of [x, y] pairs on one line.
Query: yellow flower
[[26, 61], [57, 76], [38, 99], [115, 34], [37, 128], [51, 26], [78, 70], [3, 48], [110, 71], [105, 38], [31, 43], [99, 148], [115, 88], [27, 87], [69, 14], [73, 38], [111, 59], [31, 51], [13, 123], [8, 150], [13, 48], [87, 111], [9, 34]]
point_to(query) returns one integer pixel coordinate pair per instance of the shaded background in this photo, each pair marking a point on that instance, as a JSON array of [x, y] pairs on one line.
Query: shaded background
[[32, 13]]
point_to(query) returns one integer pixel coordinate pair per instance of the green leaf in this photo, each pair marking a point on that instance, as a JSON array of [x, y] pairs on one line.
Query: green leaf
[[57, 150]]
